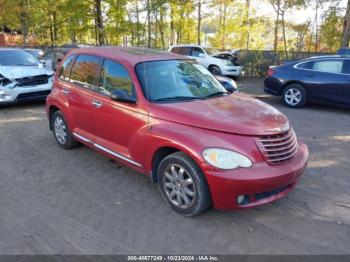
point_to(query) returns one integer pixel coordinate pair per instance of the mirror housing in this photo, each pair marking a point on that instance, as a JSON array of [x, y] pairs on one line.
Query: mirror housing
[[201, 55], [122, 96]]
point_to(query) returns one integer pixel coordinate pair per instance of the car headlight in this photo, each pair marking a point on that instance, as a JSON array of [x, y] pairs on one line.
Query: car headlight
[[225, 159]]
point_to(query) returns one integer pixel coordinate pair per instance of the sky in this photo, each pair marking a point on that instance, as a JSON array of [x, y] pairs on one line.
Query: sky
[[297, 16]]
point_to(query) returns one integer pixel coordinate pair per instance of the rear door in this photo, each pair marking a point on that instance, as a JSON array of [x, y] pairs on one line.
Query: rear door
[[324, 79], [84, 81]]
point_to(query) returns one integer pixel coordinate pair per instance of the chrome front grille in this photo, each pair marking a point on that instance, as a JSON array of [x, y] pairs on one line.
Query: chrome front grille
[[279, 148]]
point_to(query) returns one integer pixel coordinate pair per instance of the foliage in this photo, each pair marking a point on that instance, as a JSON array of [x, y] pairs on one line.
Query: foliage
[[225, 24]]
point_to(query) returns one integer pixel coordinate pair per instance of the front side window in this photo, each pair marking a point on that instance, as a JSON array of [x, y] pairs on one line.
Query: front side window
[[86, 71], [115, 77], [17, 58], [64, 72], [197, 51], [177, 80]]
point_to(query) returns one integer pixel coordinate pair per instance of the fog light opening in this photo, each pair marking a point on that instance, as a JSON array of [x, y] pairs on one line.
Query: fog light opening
[[242, 200]]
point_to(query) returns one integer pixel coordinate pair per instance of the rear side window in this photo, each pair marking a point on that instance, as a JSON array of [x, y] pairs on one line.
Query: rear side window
[[114, 76], [328, 66], [307, 65], [86, 71], [64, 72], [175, 50], [186, 51]]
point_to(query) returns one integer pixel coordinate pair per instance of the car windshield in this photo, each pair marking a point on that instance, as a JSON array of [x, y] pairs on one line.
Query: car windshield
[[211, 51], [177, 80], [17, 58]]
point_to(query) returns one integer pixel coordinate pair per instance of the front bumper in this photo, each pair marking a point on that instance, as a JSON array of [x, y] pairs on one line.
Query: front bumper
[[17, 94], [231, 70], [261, 183]]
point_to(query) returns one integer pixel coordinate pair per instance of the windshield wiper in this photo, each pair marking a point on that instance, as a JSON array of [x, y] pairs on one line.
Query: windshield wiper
[[220, 93], [176, 98]]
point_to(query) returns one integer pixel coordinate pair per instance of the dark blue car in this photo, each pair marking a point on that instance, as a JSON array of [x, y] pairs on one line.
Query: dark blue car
[[317, 79]]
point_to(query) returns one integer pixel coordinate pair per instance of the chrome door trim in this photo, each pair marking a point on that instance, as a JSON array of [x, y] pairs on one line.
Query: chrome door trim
[[107, 150], [117, 155], [82, 138]]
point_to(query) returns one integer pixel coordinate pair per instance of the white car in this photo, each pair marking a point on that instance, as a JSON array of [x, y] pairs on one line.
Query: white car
[[22, 77], [210, 58]]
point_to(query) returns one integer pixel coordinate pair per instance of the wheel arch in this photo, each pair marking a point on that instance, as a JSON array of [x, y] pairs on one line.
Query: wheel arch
[[293, 82], [51, 111]]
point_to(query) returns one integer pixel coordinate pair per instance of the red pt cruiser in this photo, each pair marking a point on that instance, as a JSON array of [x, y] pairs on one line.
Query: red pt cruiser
[[166, 116]]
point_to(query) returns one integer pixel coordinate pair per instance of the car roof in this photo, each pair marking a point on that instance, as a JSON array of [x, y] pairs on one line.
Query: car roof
[[131, 55], [191, 45], [11, 49]]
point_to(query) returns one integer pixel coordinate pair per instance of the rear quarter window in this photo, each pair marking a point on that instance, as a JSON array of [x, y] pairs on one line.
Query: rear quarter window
[[64, 72]]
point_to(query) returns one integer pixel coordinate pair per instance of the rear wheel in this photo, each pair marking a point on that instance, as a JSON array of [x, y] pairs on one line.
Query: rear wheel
[[215, 70], [294, 96], [183, 185], [61, 131]]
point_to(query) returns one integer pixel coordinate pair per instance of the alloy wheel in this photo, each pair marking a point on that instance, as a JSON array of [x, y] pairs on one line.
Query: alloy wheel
[[60, 130], [293, 96], [179, 186]]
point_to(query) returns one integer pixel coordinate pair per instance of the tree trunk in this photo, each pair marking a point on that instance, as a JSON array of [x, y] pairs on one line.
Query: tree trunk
[[276, 33], [316, 27], [99, 23], [199, 21], [284, 37], [161, 29], [148, 24], [346, 28], [24, 20], [137, 23], [246, 18], [172, 33]]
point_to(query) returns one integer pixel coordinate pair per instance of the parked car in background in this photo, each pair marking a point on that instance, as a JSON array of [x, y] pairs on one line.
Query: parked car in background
[[53, 56], [317, 79], [36, 52], [210, 58], [344, 51], [22, 77], [176, 124]]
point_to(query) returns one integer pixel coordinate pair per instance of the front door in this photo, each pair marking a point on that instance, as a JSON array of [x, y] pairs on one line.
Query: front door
[[119, 126]]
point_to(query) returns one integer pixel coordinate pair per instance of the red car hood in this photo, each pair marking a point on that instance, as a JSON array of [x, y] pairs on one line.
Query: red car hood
[[236, 113]]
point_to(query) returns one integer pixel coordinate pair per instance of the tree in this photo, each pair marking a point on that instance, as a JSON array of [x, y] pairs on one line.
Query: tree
[[346, 27]]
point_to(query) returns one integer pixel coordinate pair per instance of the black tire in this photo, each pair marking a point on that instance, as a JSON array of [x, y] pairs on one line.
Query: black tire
[[300, 98], [201, 199], [69, 141], [215, 70]]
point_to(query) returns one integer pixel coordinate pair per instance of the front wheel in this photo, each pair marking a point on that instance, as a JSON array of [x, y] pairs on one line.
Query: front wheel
[[215, 70], [294, 96], [183, 185]]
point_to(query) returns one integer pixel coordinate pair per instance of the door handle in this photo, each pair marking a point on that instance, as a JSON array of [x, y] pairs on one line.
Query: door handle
[[97, 104], [65, 91]]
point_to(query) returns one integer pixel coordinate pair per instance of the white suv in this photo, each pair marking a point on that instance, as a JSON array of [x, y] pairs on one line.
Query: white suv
[[210, 58], [22, 77]]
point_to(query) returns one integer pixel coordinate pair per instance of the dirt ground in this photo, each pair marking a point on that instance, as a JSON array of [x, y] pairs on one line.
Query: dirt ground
[[54, 201]]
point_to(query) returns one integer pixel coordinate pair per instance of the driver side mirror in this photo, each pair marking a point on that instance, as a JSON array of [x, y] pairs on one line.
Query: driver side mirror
[[122, 96], [201, 55]]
